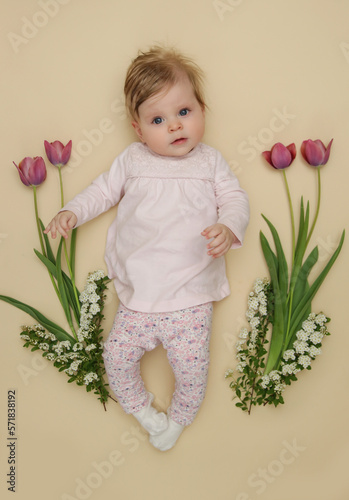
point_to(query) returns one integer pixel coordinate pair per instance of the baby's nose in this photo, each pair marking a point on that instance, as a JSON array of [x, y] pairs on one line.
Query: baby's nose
[[175, 125]]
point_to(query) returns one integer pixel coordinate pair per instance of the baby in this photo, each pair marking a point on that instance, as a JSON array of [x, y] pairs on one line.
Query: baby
[[180, 209]]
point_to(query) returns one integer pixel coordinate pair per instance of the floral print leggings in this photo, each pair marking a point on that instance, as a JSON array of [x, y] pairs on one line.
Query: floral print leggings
[[185, 334]]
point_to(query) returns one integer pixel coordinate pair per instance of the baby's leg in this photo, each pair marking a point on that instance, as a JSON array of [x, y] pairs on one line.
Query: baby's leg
[[187, 343], [130, 336]]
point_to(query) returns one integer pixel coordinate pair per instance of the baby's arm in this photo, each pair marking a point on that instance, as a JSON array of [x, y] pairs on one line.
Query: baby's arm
[[62, 223], [223, 238], [233, 212]]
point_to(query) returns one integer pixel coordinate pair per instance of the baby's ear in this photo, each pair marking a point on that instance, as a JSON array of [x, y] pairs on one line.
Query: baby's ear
[[138, 130]]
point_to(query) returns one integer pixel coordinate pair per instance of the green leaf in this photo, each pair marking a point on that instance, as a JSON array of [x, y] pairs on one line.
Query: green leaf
[[53, 270], [282, 264], [61, 286], [47, 262], [301, 286], [60, 333], [301, 224], [278, 333], [73, 251], [309, 295], [67, 282], [49, 251], [270, 259], [70, 292], [300, 247]]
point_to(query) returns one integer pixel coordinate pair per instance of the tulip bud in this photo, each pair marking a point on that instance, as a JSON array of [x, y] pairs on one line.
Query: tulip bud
[[315, 153], [57, 153], [32, 171], [280, 156]]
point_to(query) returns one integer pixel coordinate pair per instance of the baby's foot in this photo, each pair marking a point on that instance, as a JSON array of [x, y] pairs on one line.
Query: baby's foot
[[167, 439], [152, 421]]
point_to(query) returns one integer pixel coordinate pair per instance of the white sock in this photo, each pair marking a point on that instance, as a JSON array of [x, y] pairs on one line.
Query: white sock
[[167, 439], [152, 421]]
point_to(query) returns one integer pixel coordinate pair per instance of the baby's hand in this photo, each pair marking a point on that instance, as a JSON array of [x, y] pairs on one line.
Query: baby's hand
[[223, 238], [63, 222]]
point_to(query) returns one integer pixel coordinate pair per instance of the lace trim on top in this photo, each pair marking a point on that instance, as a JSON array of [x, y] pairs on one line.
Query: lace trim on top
[[198, 164]]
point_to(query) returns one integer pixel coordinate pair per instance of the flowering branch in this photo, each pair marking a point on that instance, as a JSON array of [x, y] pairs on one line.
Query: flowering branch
[[282, 304], [79, 355]]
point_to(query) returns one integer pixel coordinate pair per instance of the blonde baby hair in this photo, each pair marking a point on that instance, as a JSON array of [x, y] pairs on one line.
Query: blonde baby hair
[[156, 69]]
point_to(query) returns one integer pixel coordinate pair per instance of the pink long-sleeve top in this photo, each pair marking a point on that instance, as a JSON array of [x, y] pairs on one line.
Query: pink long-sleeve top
[[155, 252]]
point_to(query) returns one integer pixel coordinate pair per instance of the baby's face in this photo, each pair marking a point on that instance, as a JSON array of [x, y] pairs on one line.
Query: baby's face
[[171, 122]]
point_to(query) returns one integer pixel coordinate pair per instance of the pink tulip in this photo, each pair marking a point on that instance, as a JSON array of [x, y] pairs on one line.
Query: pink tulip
[[32, 171], [280, 156], [315, 153], [57, 153]]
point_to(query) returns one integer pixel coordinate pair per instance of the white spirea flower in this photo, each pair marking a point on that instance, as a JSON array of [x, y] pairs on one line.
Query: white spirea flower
[[253, 303], [90, 288], [279, 388], [240, 367], [308, 326], [243, 333], [302, 335], [83, 297], [304, 361], [289, 354], [90, 347], [320, 319], [94, 309], [254, 322], [90, 377], [44, 346], [259, 285], [239, 345], [249, 314], [66, 344], [263, 310], [274, 376], [94, 297], [241, 356], [316, 337], [75, 365], [300, 346], [265, 381], [95, 276], [78, 346], [314, 351], [289, 369]]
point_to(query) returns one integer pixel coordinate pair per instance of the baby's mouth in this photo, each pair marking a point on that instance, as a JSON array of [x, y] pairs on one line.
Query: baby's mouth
[[181, 140]]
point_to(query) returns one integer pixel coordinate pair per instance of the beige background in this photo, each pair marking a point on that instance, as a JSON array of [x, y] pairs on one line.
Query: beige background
[[276, 71]]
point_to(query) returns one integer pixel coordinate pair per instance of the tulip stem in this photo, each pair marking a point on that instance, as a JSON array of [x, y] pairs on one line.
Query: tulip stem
[[61, 185], [71, 276], [65, 246], [37, 222], [292, 217], [42, 241], [317, 208]]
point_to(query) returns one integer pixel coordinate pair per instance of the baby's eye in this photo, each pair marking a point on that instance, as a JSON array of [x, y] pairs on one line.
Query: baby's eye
[[157, 120], [184, 112]]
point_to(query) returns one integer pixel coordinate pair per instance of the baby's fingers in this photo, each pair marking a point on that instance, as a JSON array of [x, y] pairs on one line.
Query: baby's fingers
[[51, 227], [211, 231], [218, 251]]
